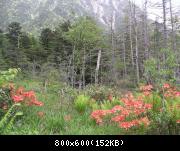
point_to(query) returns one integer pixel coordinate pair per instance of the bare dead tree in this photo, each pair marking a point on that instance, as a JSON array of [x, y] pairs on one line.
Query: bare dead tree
[[173, 40], [124, 56], [130, 33], [113, 47], [136, 42], [97, 67], [146, 40], [164, 2]]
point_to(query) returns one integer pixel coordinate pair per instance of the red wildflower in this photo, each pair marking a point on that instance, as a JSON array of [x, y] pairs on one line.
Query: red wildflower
[[148, 106], [145, 121], [126, 125], [131, 106], [167, 94], [137, 104], [146, 93], [99, 114], [135, 122], [38, 103], [166, 86], [139, 111], [118, 118], [126, 112], [30, 94], [99, 121], [177, 94], [117, 108], [178, 121], [146, 88], [17, 98]]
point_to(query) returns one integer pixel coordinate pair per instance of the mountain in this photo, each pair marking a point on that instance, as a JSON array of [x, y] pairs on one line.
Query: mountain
[[37, 14]]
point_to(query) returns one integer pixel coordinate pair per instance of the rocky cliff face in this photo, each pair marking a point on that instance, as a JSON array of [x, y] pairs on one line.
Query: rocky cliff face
[[36, 14]]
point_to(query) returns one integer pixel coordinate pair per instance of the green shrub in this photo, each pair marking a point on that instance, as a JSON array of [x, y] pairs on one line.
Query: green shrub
[[81, 103], [8, 75], [5, 100], [158, 71], [163, 123], [7, 121], [107, 104]]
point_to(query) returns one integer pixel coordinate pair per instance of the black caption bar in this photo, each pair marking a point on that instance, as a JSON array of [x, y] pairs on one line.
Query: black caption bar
[[71, 142]]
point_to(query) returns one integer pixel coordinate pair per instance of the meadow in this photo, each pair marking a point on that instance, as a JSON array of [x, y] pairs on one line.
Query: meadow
[[29, 108]]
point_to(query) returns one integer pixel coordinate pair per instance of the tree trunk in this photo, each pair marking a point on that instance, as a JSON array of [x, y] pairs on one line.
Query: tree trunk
[[131, 38], [113, 50], [172, 28], [18, 41], [164, 24], [72, 72], [164, 33], [124, 57], [97, 67], [173, 37], [136, 45], [83, 68], [130, 34], [146, 43]]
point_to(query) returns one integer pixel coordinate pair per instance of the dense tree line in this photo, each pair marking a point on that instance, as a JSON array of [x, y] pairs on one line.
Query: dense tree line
[[80, 52]]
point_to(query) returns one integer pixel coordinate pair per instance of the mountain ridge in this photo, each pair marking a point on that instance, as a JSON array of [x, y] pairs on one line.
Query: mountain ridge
[[37, 14]]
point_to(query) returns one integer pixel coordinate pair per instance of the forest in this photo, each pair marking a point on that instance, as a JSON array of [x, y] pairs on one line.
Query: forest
[[81, 77]]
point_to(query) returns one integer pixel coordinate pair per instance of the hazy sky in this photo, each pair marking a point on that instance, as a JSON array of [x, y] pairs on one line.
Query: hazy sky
[[152, 12], [174, 2]]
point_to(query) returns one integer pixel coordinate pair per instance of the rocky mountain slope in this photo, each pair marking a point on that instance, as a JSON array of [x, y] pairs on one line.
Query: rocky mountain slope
[[36, 14]]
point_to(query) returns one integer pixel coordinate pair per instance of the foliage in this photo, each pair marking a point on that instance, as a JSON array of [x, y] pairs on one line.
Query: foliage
[[131, 113], [5, 98], [164, 123], [158, 71], [84, 33], [8, 75], [85, 36], [101, 93], [81, 103], [7, 121], [14, 33], [11, 100], [144, 110], [66, 120], [68, 55]]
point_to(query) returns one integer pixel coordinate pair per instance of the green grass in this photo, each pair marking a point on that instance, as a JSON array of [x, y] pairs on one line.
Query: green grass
[[55, 108], [57, 105]]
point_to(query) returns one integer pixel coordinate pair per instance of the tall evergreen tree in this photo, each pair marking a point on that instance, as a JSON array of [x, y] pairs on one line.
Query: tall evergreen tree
[[14, 33]]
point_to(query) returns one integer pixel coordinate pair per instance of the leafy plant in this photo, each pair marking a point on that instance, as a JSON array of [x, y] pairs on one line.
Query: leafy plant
[[159, 71], [163, 123], [5, 98], [81, 103], [8, 75], [6, 123]]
